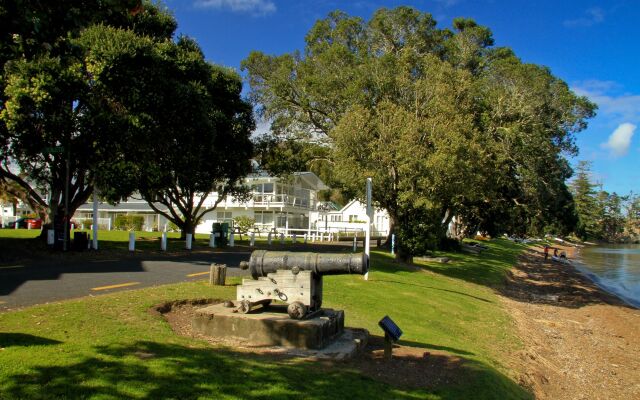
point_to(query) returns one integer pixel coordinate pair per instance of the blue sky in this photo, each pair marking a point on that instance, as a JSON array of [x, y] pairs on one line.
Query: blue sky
[[593, 45]]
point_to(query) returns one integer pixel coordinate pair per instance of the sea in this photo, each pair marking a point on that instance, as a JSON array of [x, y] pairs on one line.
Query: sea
[[614, 268]]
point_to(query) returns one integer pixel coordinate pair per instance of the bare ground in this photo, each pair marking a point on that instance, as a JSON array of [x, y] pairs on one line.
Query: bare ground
[[580, 342]]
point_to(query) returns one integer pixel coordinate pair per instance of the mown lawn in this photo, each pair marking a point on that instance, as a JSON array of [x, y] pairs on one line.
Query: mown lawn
[[111, 347]]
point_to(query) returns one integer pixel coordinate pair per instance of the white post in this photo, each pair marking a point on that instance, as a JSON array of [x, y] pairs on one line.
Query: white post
[[82, 226], [305, 238], [109, 223], [393, 244], [163, 241], [212, 240], [51, 237], [252, 242], [132, 241], [269, 239], [294, 238], [355, 244], [282, 238], [231, 240], [189, 241], [15, 226], [29, 226]]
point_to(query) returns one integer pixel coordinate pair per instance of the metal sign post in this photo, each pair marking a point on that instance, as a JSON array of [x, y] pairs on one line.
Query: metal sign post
[[367, 240]]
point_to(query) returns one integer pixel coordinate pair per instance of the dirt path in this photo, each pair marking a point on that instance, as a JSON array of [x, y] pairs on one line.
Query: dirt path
[[580, 342]]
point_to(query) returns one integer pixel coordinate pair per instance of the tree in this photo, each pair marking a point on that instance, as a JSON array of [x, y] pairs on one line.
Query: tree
[[444, 123], [584, 195], [54, 129], [185, 126]]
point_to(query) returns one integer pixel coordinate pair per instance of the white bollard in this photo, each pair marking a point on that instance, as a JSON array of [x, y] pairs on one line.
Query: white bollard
[[294, 238], [15, 225], [282, 238], [132, 241], [212, 240], [355, 244], [337, 236], [81, 227], [252, 242], [163, 241], [189, 241], [28, 226], [305, 238], [51, 237], [269, 239], [231, 240]]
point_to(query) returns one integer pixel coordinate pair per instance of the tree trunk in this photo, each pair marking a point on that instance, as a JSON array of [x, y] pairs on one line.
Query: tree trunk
[[188, 227]]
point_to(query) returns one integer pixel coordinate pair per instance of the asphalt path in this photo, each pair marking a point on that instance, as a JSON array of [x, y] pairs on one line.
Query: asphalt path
[[45, 281]]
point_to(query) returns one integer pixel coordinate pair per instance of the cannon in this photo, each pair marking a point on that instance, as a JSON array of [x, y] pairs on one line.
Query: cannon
[[294, 278]]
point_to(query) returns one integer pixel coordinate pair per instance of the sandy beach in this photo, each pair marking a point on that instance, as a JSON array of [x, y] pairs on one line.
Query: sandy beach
[[579, 341]]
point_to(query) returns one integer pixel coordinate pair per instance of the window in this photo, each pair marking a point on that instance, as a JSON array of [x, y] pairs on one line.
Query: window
[[268, 188], [263, 217], [353, 218], [224, 215]]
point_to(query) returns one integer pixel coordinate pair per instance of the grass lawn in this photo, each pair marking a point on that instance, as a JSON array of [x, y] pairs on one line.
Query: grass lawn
[[110, 346]]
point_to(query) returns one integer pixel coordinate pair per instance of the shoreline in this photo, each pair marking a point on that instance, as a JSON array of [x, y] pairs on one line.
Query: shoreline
[[579, 341], [582, 268]]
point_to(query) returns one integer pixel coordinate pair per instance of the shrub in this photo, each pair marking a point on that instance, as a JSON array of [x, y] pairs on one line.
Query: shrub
[[244, 223], [129, 222]]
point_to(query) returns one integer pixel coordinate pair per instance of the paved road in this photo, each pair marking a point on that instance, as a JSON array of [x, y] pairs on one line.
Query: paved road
[[46, 281]]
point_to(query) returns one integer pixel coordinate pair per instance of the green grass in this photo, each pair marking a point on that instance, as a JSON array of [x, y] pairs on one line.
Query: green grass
[[110, 346]]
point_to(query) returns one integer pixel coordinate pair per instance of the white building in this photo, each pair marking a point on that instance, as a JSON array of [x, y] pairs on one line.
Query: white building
[[350, 219], [283, 204]]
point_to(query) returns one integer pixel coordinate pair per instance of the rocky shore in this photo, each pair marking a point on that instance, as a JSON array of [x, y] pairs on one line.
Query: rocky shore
[[579, 341]]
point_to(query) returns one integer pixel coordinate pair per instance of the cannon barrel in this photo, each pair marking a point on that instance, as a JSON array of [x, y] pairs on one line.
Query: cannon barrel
[[263, 262]]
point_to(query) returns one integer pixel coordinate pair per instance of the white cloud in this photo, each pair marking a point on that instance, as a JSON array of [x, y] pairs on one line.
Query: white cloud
[[592, 16], [623, 107], [620, 140], [253, 7]]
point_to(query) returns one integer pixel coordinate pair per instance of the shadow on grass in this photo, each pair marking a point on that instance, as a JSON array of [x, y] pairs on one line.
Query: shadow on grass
[[488, 268], [152, 370], [23, 339], [431, 288], [430, 346]]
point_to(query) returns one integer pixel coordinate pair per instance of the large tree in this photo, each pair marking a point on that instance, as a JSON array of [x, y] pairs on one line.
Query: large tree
[[445, 123], [184, 126], [54, 129]]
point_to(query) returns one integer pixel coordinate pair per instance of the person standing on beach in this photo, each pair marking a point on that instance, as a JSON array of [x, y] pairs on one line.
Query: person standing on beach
[[555, 252], [546, 252]]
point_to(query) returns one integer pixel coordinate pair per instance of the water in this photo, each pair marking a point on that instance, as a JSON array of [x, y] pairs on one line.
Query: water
[[615, 268]]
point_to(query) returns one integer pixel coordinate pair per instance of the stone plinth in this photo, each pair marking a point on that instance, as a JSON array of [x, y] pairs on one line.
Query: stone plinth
[[269, 327]]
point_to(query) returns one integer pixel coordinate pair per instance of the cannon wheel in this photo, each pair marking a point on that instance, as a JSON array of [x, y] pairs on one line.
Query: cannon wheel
[[297, 310], [245, 306]]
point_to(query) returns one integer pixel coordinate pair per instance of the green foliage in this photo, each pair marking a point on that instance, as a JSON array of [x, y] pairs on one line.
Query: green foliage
[[244, 223], [186, 130], [129, 222], [602, 215], [49, 98], [444, 123]]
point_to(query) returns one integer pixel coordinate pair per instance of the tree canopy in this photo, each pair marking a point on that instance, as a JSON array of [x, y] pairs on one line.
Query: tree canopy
[[103, 90], [51, 117], [444, 122]]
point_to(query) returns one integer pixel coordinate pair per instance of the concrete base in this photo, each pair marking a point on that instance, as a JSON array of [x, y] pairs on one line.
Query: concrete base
[[269, 327]]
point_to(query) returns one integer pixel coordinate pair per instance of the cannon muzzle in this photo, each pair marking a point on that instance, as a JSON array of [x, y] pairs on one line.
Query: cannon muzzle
[[263, 262]]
